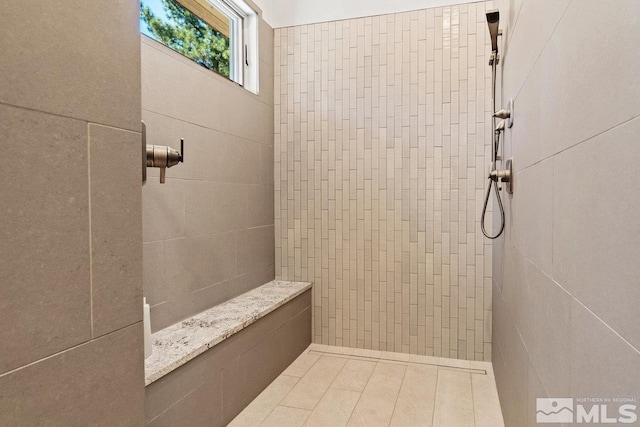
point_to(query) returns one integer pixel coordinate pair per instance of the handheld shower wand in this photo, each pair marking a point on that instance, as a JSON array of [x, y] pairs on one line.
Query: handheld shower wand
[[495, 175], [493, 20]]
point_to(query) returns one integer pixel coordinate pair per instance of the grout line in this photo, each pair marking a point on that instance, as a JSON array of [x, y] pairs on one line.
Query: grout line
[[435, 397], [90, 230], [243, 138], [178, 401], [325, 392], [86, 120], [473, 400], [607, 325], [551, 156], [544, 47], [294, 386], [89, 341], [280, 401], [362, 392], [404, 374]]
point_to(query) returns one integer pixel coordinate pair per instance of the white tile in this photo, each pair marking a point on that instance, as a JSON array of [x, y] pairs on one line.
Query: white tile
[[376, 404], [266, 402], [570, 112], [596, 228], [416, 400], [301, 365], [354, 375], [283, 416], [312, 386], [531, 218], [527, 40], [486, 406], [334, 409], [454, 401]]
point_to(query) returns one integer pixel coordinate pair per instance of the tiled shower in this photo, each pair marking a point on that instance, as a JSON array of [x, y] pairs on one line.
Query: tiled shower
[[359, 172], [382, 137]]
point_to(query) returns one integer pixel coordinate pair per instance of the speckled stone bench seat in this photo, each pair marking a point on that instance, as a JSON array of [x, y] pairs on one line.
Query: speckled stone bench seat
[[219, 360], [179, 343]]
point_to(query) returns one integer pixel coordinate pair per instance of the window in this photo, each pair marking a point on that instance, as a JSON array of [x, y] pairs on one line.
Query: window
[[220, 35]]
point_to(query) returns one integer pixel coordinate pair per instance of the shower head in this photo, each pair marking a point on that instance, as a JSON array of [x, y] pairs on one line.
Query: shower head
[[493, 20]]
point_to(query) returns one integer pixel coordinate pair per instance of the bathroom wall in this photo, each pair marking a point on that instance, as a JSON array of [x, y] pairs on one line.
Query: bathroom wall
[[566, 294], [70, 203], [208, 232], [381, 149]]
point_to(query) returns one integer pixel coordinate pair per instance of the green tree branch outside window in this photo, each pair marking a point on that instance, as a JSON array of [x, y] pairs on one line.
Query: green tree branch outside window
[[187, 34]]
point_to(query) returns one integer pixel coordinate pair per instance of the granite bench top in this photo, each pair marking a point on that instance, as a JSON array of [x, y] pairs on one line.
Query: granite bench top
[[179, 343]]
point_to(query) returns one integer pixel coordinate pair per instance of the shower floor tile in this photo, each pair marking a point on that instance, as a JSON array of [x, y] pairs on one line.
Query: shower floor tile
[[340, 386]]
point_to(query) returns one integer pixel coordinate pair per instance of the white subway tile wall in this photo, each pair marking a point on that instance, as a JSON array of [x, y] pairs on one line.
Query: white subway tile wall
[[382, 144]]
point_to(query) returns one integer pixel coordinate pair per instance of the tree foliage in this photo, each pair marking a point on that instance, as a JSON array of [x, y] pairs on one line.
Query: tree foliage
[[184, 32]]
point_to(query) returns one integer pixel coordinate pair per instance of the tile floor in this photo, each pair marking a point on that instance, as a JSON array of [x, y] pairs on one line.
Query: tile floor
[[338, 386]]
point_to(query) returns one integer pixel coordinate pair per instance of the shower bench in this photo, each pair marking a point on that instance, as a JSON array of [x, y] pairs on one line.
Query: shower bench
[[224, 357]]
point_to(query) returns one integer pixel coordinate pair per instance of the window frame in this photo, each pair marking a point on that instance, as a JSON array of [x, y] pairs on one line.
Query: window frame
[[243, 40], [236, 38], [248, 57]]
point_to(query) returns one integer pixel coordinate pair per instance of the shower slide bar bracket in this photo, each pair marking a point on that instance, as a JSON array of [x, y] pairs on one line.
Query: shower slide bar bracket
[[506, 114]]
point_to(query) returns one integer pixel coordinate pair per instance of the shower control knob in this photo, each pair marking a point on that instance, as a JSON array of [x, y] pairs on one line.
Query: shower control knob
[[503, 175], [163, 157]]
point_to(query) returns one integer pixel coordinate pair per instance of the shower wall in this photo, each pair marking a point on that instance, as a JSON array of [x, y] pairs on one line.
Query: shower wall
[[70, 215], [382, 138], [566, 291], [208, 231]]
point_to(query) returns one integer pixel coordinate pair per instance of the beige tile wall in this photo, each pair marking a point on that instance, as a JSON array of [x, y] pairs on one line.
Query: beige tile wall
[[381, 150], [566, 271], [70, 209], [208, 231]]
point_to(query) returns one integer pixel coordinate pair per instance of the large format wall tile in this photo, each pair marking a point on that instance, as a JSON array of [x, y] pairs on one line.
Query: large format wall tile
[[201, 242], [70, 229], [603, 364], [255, 248], [596, 230], [75, 59], [116, 228], [261, 208], [44, 244], [571, 83], [570, 269], [210, 155], [213, 207], [382, 138], [100, 383], [193, 263], [163, 210], [540, 17], [166, 91], [532, 213], [154, 280]]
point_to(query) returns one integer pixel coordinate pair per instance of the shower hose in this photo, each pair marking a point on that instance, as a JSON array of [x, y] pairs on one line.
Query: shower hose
[[494, 148]]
